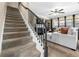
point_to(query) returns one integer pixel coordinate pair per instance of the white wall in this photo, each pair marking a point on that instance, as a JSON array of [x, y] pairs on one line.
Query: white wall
[[24, 14], [13, 4], [2, 21]]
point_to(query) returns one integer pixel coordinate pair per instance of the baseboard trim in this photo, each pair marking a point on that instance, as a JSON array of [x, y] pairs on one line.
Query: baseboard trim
[[62, 45]]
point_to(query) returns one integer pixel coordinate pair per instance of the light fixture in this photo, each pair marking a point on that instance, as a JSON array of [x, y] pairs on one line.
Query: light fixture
[[56, 11]]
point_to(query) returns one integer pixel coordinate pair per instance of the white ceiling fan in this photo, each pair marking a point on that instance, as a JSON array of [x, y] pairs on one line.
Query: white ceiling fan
[[56, 11]]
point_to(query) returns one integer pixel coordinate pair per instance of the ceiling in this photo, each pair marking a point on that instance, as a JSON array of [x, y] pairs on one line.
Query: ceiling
[[42, 9]]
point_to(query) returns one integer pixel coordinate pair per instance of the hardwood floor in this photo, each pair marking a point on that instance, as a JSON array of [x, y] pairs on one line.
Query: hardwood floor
[[55, 50], [78, 45]]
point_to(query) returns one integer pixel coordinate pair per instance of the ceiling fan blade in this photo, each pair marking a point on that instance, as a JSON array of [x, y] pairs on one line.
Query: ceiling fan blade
[[50, 14], [61, 9], [52, 11], [60, 12]]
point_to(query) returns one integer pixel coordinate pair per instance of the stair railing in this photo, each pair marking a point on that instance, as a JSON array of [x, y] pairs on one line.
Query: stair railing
[[40, 28]]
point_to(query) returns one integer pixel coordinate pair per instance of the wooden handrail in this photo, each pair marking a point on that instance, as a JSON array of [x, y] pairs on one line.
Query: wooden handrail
[[28, 9]]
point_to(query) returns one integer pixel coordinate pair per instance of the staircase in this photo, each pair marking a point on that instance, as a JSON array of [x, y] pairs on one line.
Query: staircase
[[17, 41]]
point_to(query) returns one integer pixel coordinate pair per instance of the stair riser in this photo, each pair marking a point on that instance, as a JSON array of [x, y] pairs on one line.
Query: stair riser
[[10, 36], [9, 19], [15, 30], [12, 18], [15, 26], [11, 25], [11, 9], [14, 22], [13, 13], [12, 44], [17, 15]]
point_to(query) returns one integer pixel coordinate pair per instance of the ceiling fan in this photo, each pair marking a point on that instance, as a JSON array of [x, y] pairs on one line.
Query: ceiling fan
[[57, 11]]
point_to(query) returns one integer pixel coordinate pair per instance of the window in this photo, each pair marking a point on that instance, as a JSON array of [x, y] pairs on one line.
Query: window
[[77, 21], [69, 21], [48, 24], [55, 23], [61, 22]]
